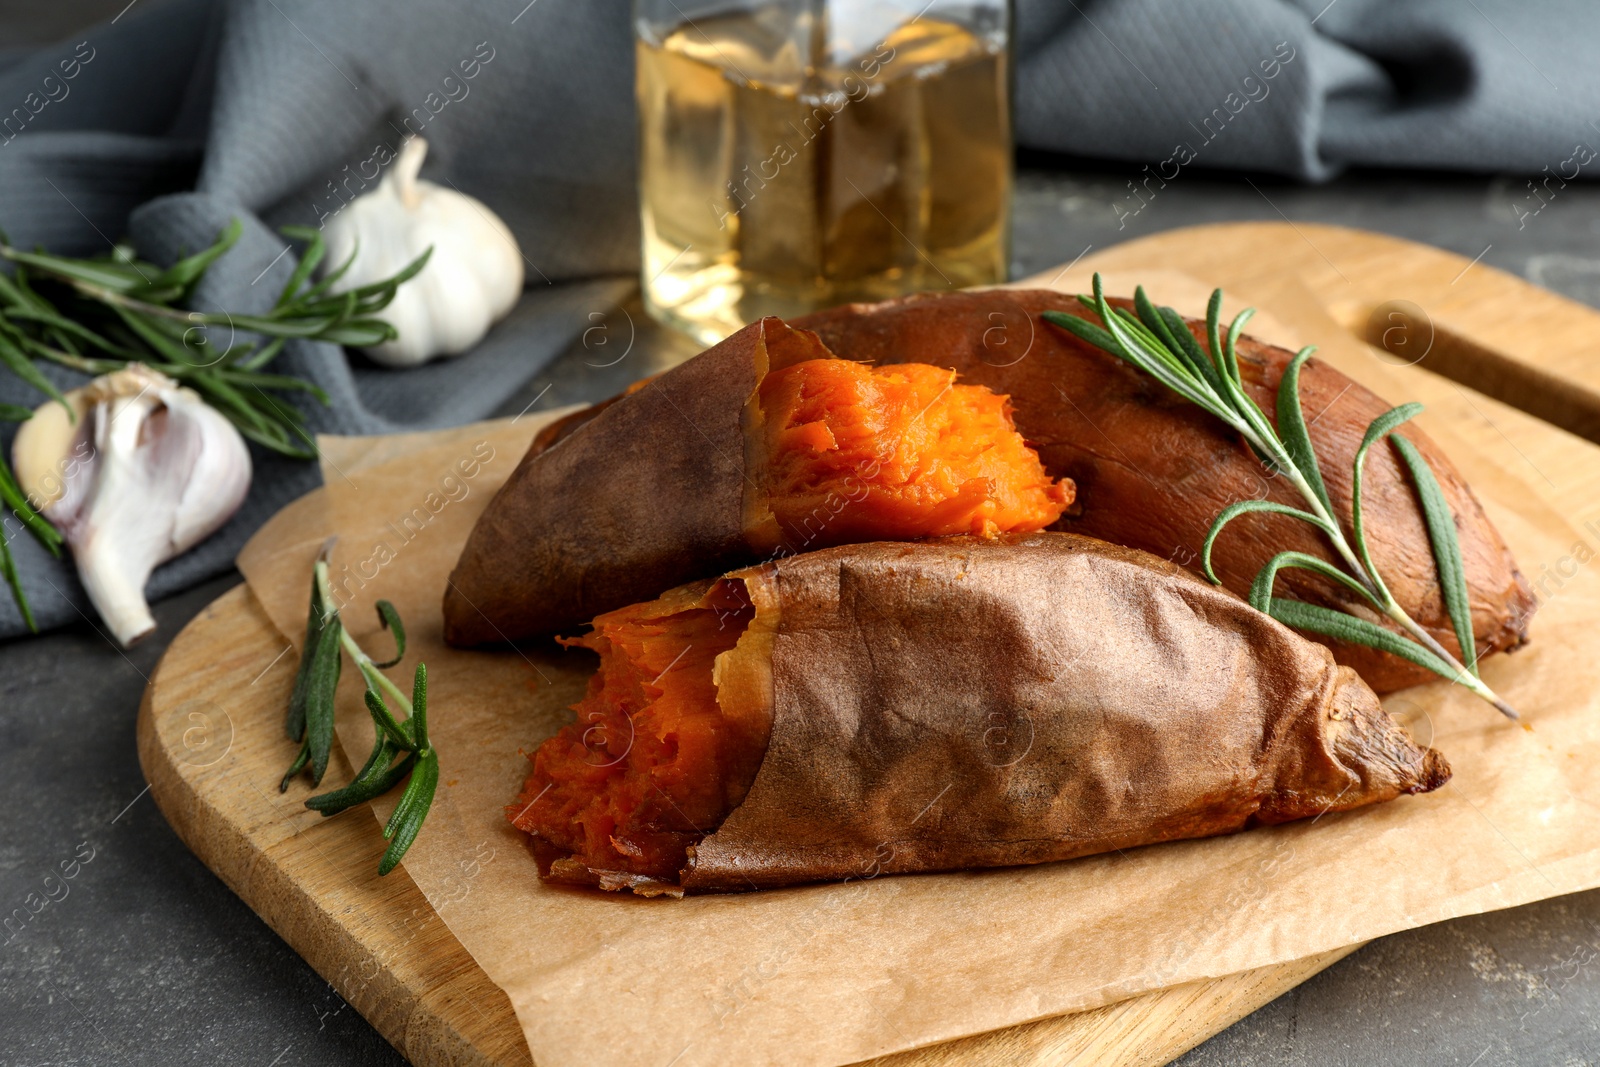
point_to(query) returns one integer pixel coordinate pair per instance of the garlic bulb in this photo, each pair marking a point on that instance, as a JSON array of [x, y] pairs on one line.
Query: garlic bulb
[[471, 281], [148, 471]]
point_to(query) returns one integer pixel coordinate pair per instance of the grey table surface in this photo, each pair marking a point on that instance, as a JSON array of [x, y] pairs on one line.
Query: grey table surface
[[149, 959]]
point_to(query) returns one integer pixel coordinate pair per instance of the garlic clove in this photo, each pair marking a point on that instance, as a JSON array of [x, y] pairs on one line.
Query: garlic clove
[[149, 471], [43, 448], [473, 279], [218, 482]]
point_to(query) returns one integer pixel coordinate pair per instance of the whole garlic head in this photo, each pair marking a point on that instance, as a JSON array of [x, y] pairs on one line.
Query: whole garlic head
[[472, 280], [148, 471]]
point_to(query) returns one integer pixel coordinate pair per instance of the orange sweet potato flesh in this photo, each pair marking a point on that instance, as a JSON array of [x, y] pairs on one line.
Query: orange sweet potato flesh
[[652, 761], [856, 453]]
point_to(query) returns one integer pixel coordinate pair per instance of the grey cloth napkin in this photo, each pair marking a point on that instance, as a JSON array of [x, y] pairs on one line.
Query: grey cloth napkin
[[183, 114]]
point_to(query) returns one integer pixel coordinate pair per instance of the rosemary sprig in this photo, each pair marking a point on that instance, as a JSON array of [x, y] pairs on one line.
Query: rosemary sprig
[[310, 721], [1158, 341], [97, 315]]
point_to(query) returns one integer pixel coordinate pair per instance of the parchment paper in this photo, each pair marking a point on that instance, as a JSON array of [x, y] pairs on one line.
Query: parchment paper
[[833, 974]]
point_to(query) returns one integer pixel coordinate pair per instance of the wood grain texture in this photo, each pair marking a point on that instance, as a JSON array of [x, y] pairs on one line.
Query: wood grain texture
[[212, 747]]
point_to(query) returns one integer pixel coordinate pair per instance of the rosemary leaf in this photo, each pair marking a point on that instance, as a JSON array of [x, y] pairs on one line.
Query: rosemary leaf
[[1244, 507], [1178, 330], [111, 277], [257, 380], [49, 317], [311, 328], [317, 619], [1380, 428], [1261, 433], [1292, 426], [315, 292], [183, 275], [1231, 346], [390, 618], [385, 722], [19, 364], [1342, 627], [386, 288], [1261, 588], [310, 259], [1214, 333], [419, 708], [296, 767], [319, 701], [406, 821], [1446, 549], [290, 425], [16, 295], [1082, 327], [379, 776], [243, 414], [264, 355], [8, 569], [159, 340], [23, 510], [361, 333]]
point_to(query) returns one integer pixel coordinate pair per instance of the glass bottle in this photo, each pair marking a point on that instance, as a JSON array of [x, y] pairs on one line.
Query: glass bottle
[[796, 154]]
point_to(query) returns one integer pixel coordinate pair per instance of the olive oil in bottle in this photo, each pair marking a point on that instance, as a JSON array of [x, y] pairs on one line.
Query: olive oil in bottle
[[789, 163]]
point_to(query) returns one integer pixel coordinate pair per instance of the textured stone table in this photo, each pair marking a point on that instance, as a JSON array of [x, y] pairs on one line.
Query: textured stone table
[[148, 959]]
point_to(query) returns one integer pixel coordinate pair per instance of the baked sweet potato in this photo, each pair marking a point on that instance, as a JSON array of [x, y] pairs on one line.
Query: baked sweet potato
[[646, 493], [764, 445], [951, 704], [1152, 470]]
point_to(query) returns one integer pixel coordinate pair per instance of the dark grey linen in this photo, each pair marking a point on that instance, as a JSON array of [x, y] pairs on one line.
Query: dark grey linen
[[184, 114], [1482, 85]]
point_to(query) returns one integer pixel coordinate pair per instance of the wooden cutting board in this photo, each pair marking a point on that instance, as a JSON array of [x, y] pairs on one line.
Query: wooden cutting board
[[384, 950]]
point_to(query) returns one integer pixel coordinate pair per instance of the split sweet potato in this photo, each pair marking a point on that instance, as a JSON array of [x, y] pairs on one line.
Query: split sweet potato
[[961, 703], [763, 445]]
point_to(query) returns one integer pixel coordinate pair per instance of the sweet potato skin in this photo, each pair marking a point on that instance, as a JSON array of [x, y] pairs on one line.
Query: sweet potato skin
[[967, 703], [616, 503], [1153, 471]]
